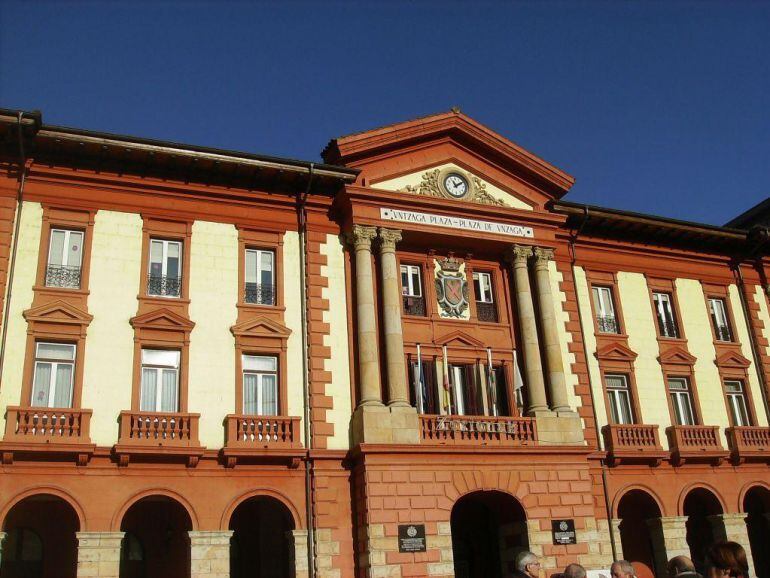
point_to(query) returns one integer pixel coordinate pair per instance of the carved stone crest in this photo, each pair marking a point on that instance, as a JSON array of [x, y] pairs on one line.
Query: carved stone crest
[[432, 185], [451, 288]]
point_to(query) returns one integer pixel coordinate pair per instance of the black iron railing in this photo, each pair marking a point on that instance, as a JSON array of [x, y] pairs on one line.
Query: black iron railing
[[723, 333], [607, 324], [414, 305], [668, 328], [164, 286], [486, 311], [259, 294], [62, 276]]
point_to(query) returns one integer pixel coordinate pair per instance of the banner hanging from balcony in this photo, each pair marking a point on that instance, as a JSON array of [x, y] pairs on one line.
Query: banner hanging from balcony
[[451, 288]]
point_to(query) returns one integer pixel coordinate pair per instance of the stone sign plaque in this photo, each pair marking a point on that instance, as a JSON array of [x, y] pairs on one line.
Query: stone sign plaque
[[563, 531], [411, 538]]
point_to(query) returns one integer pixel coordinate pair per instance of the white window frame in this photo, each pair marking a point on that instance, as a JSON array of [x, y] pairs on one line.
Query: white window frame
[[159, 368], [718, 310], [65, 253], [411, 289], [164, 264], [483, 294], [658, 299], [260, 375], [738, 402], [457, 375], [605, 306], [621, 408], [259, 269], [54, 363], [681, 399]]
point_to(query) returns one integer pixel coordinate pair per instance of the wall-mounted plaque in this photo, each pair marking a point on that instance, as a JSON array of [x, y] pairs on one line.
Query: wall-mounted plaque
[[411, 538], [563, 531]]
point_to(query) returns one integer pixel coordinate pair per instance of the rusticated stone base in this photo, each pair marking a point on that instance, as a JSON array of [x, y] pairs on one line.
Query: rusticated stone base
[[210, 554], [99, 554]]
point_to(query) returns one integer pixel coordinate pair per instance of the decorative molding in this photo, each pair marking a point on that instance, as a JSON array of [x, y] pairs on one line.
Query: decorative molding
[[677, 356], [616, 352], [520, 253], [451, 288], [432, 185], [389, 238], [360, 236]]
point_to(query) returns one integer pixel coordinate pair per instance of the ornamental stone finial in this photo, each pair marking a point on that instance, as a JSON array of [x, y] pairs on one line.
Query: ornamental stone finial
[[519, 254], [361, 237], [389, 238]]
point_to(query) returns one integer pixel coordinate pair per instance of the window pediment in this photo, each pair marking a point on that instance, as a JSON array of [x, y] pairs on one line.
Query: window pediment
[[58, 312], [616, 352], [732, 359], [162, 319], [677, 356], [460, 339], [263, 327]]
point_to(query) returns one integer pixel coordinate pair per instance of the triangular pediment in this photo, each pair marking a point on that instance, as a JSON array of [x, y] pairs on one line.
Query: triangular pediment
[[616, 352], [162, 319], [58, 312], [460, 339], [732, 359], [677, 356], [261, 327]]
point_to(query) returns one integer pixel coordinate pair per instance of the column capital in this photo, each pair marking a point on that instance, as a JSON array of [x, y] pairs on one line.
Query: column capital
[[543, 255], [360, 236], [388, 238], [519, 254]]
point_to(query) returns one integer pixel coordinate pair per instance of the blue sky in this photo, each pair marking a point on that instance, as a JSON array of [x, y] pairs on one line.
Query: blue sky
[[658, 107]]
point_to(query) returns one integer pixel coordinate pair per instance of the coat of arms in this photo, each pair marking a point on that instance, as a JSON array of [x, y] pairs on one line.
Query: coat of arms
[[451, 288]]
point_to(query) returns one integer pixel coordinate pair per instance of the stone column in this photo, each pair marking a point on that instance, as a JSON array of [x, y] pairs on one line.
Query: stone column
[[99, 554], [732, 527], [616, 537], [557, 381], [391, 313], [526, 310], [210, 554], [669, 539], [298, 566], [3, 536], [368, 356]]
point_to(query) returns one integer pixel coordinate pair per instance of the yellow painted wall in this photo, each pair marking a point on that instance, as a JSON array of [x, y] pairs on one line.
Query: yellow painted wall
[[640, 326], [414, 179], [21, 299], [213, 294], [337, 341], [293, 317], [562, 317], [742, 334], [116, 257]]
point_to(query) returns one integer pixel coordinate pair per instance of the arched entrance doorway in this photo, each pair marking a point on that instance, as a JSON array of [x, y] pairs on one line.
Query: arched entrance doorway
[[156, 542], [488, 530], [699, 505], [41, 541], [635, 509], [756, 504], [261, 546]]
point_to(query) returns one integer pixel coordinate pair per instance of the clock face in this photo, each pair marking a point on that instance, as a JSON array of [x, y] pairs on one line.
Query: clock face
[[456, 185]]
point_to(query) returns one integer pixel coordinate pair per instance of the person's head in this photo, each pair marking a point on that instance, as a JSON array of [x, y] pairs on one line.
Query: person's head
[[622, 569], [527, 563], [725, 559], [574, 571], [678, 565]]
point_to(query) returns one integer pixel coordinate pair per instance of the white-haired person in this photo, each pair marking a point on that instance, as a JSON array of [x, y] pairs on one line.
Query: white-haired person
[[527, 565]]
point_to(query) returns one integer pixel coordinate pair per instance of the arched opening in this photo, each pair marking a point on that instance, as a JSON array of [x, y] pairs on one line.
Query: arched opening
[[262, 543], [41, 541], [756, 504], [699, 505], [635, 509], [156, 542], [488, 530]]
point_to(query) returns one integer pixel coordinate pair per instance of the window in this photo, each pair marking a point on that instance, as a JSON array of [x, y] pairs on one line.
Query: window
[[260, 277], [497, 390], [65, 253], [664, 311], [718, 311], [165, 276], [411, 290], [619, 396], [160, 380], [681, 400], [736, 401], [54, 371], [466, 398], [485, 302], [260, 385], [604, 308]]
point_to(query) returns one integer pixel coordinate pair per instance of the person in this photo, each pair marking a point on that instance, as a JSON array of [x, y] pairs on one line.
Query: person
[[682, 567], [622, 569], [725, 559], [574, 571], [527, 565]]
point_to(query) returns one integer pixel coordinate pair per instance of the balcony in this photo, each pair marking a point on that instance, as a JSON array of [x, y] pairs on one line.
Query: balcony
[[52, 430], [695, 443], [262, 436], [414, 305], [259, 294], [486, 312], [163, 286], [462, 430], [748, 443], [632, 443], [159, 435], [607, 324], [62, 276]]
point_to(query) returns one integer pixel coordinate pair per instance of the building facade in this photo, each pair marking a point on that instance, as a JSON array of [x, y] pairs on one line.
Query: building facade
[[413, 359]]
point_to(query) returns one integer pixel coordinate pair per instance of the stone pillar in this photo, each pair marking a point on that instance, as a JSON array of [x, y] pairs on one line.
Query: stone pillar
[[368, 356], [616, 537], [99, 554], [557, 381], [528, 324], [669, 538], [297, 553], [3, 536], [210, 554], [732, 527], [391, 313]]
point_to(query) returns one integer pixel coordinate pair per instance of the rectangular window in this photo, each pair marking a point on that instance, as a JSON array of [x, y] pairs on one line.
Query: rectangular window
[[164, 278], [604, 308], [619, 395], [736, 401], [466, 394], [54, 371], [485, 301], [497, 390], [664, 311], [718, 311], [424, 395], [160, 380], [65, 254], [411, 290], [260, 385], [260, 277], [681, 400]]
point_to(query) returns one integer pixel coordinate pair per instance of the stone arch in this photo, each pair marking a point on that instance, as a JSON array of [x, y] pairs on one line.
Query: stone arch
[[118, 517], [620, 494], [636, 508], [49, 490], [261, 492], [747, 487], [698, 486], [508, 482]]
